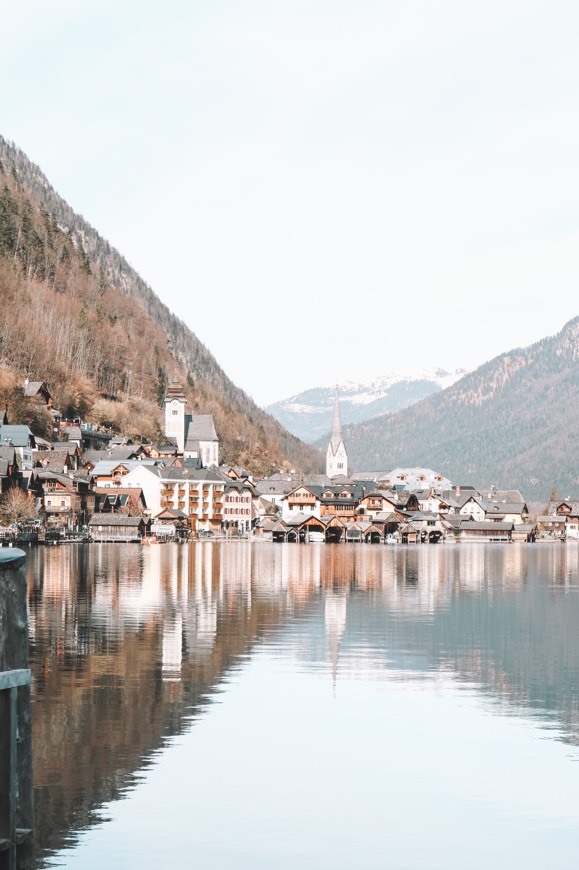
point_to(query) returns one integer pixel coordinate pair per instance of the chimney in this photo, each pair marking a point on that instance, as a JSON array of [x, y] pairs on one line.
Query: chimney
[[457, 489]]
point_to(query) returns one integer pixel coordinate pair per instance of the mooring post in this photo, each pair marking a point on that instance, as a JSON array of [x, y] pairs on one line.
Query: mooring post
[[16, 794]]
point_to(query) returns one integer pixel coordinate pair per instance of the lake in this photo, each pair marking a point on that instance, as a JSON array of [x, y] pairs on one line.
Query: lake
[[254, 705]]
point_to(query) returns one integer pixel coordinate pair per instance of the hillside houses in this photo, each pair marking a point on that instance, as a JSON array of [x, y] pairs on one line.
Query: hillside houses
[[23, 441], [372, 510], [179, 489]]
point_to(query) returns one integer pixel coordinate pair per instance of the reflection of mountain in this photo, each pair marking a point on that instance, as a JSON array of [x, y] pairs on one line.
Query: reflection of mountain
[[129, 645]]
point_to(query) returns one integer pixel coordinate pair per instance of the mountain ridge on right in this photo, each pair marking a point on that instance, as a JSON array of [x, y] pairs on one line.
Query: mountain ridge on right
[[513, 422]]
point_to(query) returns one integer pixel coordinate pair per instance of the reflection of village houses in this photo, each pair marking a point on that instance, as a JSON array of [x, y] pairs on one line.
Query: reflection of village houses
[[130, 644], [181, 595], [105, 487]]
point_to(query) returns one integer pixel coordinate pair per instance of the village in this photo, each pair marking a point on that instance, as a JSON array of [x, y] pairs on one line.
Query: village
[[92, 485]]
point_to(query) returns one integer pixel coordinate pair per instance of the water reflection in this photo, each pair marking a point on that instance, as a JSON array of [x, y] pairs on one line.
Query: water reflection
[[129, 644]]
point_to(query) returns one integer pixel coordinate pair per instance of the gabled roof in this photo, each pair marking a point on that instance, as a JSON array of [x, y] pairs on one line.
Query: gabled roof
[[107, 466], [199, 427], [506, 508], [301, 519], [508, 495], [310, 489], [74, 433], [52, 460], [116, 453], [18, 436], [274, 486], [171, 513], [471, 496], [566, 506], [485, 527], [191, 463], [238, 486], [115, 520], [237, 470], [32, 388], [342, 480], [63, 479], [385, 517]]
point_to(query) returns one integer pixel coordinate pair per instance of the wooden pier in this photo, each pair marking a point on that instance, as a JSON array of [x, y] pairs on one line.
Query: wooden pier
[[16, 794]]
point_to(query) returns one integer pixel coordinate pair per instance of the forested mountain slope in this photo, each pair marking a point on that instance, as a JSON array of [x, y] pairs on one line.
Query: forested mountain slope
[[309, 414], [75, 314], [513, 422]]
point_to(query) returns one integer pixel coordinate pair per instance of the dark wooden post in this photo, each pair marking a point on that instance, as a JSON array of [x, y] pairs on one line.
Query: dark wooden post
[[16, 794]]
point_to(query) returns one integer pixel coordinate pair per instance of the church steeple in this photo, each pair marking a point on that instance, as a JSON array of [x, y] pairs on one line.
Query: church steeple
[[175, 402], [336, 456], [337, 424]]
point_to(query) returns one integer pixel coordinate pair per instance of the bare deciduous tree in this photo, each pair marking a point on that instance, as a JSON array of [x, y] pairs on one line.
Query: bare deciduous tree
[[16, 506]]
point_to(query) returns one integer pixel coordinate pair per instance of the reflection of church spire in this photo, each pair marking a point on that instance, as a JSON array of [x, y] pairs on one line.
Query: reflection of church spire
[[335, 618], [336, 457]]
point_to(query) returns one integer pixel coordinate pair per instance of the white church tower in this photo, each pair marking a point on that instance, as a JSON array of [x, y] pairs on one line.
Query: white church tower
[[175, 402], [336, 456]]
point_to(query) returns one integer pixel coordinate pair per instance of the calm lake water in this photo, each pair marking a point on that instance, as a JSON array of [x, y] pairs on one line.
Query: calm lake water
[[250, 705]]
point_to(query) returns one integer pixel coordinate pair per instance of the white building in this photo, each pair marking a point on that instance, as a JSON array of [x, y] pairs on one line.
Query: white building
[[336, 456], [194, 434], [198, 494]]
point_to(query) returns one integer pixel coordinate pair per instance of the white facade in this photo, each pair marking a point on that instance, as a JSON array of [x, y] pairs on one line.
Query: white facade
[[199, 498], [175, 402], [238, 508], [336, 462], [336, 456], [300, 501], [473, 508]]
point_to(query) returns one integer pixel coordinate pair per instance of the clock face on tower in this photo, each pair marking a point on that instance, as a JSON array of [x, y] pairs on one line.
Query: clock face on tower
[[174, 403]]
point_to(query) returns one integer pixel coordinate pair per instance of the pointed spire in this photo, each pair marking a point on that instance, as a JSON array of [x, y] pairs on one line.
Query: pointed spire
[[337, 424]]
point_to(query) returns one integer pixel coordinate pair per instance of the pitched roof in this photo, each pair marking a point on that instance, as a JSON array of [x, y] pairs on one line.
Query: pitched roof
[[200, 427], [119, 453], [107, 466], [54, 460], [63, 479], [18, 436], [32, 388], [505, 507], [486, 527], [114, 520]]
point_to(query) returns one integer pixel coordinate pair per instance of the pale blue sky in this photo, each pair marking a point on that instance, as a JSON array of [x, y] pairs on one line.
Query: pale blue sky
[[342, 188]]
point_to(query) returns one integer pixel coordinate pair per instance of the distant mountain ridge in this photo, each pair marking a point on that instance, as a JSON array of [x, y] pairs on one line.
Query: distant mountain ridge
[[513, 422], [308, 415]]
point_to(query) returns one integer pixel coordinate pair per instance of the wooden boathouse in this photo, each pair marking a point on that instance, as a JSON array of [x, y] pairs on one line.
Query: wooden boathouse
[[115, 528]]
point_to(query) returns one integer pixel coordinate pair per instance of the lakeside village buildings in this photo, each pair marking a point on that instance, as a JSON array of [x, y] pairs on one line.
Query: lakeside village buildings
[[113, 489]]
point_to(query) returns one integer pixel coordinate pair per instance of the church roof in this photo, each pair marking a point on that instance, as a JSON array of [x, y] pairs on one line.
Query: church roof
[[200, 427]]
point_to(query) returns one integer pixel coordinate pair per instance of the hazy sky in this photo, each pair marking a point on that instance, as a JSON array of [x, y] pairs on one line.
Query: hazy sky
[[322, 190]]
